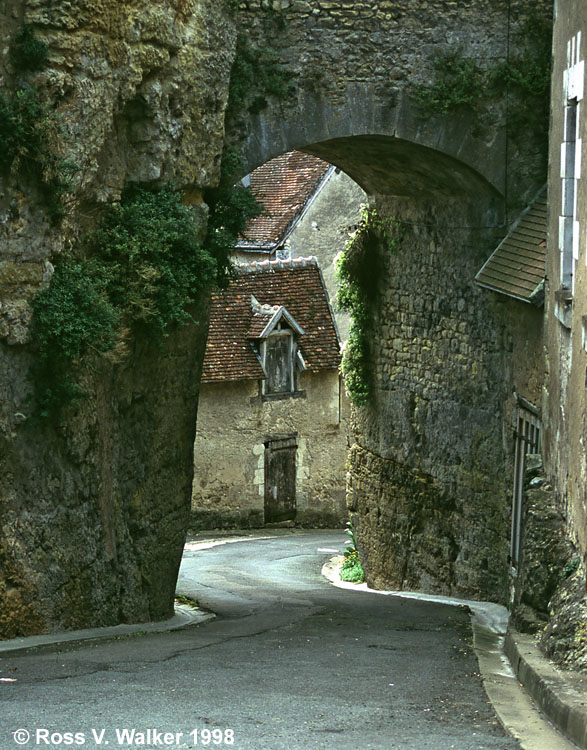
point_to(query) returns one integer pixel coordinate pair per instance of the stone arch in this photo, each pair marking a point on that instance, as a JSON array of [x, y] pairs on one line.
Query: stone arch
[[427, 460], [383, 146]]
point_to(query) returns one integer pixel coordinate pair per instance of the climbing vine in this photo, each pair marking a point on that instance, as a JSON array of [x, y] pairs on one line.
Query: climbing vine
[[358, 270], [460, 83]]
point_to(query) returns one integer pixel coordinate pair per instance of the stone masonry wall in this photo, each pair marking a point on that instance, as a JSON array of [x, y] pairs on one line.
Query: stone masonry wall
[[229, 452], [427, 483], [355, 66]]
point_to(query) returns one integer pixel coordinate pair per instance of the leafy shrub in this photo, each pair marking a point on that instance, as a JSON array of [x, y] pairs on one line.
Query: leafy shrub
[[145, 264], [457, 83], [23, 127], [71, 316], [27, 53], [147, 259], [351, 569]]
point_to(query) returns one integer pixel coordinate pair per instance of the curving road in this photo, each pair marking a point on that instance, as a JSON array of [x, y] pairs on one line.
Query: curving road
[[289, 662]]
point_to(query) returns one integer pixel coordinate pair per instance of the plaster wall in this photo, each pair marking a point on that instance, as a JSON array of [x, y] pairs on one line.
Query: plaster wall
[[233, 423], [565, 394], [324, 231]]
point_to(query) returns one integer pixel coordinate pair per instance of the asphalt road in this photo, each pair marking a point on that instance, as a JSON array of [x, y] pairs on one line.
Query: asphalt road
[[289, 662]]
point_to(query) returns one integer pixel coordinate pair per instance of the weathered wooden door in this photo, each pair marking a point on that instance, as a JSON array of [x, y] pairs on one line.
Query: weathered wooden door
[[280, 479]]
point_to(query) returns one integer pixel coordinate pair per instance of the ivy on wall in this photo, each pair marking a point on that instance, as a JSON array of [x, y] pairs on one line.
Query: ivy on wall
[[358, 269], [460, 83]]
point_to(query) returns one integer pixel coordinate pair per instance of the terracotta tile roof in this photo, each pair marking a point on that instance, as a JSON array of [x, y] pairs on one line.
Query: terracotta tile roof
[[258, 325], [284, 186], [297, 285], [518, 265]]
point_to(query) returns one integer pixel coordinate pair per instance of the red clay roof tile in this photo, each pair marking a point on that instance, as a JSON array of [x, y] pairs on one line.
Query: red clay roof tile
[[283, 185], [297, 284]]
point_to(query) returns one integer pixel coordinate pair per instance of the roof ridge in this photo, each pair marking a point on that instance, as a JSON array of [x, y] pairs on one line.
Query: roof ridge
[[272, 265]]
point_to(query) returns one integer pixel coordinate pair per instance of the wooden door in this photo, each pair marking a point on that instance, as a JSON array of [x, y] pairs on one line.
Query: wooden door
[[280, 480]]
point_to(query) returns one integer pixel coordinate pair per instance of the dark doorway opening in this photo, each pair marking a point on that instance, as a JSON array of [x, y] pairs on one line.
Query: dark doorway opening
[[280, 479]]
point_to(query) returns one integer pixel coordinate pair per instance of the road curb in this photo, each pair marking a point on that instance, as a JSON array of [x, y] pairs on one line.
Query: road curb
[[183, 617], [561, 695]]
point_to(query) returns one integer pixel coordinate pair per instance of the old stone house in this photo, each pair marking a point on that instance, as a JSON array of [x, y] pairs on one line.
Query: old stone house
[[308, 203], [271, 442]]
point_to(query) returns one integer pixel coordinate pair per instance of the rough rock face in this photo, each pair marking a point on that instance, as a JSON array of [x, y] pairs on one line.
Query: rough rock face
[[93, 510], [545, 553], [565, 637], [550, 596]]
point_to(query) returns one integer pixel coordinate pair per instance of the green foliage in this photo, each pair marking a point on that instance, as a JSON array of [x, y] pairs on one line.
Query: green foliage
[[71, 316], [231, 207], [27, 53], [351, 570], [352, 543], [144, 265], [187, 600], [527, 77], [27, 130], [457, 84], [358, 270], [529, 71], [148, 259], [571, 568], [23, 128], [256, 74]]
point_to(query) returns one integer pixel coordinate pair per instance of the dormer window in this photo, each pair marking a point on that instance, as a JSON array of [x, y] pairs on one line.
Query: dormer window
[[274, 333], [279, 356]]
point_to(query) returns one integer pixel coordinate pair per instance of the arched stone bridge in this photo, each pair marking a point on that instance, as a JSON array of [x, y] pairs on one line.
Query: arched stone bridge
[[428, 465], [355, 69]]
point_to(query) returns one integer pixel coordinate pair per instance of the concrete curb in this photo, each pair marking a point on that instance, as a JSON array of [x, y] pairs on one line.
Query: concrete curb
[[561, 695], [183, 617]]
